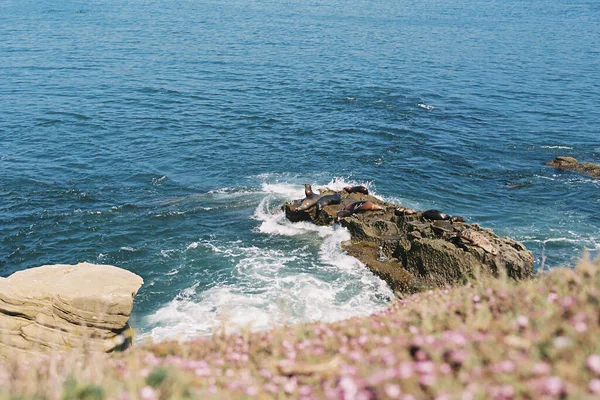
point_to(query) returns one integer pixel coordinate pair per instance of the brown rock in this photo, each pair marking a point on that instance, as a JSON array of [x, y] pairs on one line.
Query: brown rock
[[571, 164], [411, 253]]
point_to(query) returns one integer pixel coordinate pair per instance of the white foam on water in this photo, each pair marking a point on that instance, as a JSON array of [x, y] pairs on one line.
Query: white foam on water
[[557, 147], [426, 106], [127, 248], [275, 223], [287, 190], [167, 253], [272, 286]]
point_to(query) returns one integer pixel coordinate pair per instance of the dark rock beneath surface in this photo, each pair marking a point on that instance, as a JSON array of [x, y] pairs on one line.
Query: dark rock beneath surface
[[571, 164], [411, 253]]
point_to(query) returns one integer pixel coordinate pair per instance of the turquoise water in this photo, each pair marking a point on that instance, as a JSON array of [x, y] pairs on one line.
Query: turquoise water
[[163, 136]]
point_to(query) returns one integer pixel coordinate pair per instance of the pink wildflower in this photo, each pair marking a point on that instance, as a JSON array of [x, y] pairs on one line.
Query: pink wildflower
[[455, 337], [348, 370], [580, 326], [388, 357], [380, 376], [251, 391], [503, 392], [567, 302], [540, 368], [364, 395], [593, 363], [425, 367], [147, 393], [271, 387], [305, 390], [467, 395], [349, 387], [505, 367], [445, 369], [456, 357], [522, 321], [392, 390], [405, 370], [427, 380], [594, 386], [552, 386], [202, 371], [290, 386]]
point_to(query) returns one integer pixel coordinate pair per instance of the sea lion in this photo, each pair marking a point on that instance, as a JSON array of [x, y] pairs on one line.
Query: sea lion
[[310, 200], [308, 190], [457, 218], [442, 226], [364, 205], [435, 215], [404, 211], [357, 189], [474, 238], [343, 214], [329, 199], [350, 207], [358, 206]]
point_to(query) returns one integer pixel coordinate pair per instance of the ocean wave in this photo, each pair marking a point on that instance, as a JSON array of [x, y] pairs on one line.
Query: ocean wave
[[557, 147], [274, 286]]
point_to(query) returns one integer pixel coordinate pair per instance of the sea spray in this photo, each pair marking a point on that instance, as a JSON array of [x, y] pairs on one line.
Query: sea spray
[[311, 280]]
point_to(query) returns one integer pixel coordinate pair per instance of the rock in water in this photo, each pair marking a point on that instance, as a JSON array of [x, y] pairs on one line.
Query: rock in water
[[64, 307], [571, 164], [412, 252]]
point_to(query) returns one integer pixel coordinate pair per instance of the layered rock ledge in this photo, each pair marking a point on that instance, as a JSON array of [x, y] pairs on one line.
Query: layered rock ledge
[[571, 164], [412, 253], [64, 307]]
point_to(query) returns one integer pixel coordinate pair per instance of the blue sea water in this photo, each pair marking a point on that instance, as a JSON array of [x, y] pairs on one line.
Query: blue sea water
[[163, 136]]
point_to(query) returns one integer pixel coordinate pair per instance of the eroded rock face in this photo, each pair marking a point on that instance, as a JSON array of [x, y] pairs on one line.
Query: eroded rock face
[[571, 164], [65, 307], [412, 253]]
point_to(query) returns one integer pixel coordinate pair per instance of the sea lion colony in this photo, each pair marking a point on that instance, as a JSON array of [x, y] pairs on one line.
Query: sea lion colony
[[316, 200]]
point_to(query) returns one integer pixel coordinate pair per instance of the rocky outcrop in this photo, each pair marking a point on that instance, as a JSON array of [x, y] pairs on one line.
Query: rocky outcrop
[[412, 253], [64, 307], [571, 164]]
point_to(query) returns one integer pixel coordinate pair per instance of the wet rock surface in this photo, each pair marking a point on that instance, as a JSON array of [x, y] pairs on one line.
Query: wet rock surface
[[571, 164], [412, 253]]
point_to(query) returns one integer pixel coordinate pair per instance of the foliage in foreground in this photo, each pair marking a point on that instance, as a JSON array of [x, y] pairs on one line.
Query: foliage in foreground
[[492, 339]]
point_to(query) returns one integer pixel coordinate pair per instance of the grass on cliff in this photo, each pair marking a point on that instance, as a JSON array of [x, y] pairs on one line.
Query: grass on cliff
[[491, 339]]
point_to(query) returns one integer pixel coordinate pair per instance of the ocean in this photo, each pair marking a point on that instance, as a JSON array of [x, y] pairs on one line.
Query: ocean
[[164, 136]]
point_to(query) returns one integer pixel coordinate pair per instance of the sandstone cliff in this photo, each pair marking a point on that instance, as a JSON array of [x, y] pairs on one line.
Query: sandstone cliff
[[60, 307]]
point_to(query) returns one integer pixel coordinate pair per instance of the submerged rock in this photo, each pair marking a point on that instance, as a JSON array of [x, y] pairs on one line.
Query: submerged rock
[[412, 253], [65, 307], [571, 164]]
